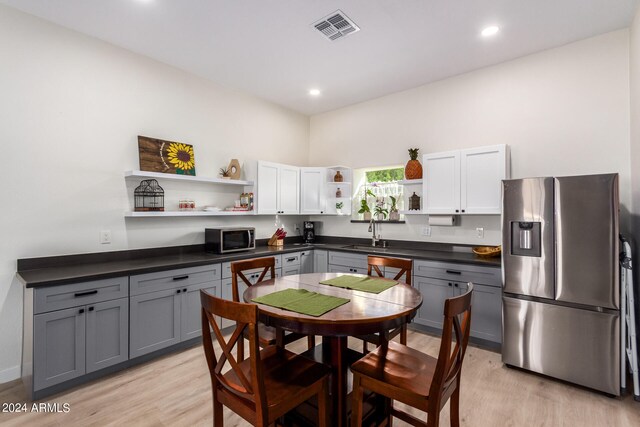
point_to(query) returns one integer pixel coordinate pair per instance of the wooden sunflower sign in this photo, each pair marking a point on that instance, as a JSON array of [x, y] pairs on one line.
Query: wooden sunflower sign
[[157, 155]]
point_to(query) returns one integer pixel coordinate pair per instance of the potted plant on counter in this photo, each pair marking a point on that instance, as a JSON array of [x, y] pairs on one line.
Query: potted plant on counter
[[380, 212], [339, 206], [394, 215]]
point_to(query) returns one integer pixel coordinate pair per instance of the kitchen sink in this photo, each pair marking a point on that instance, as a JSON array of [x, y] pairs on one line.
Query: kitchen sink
[[366, 248]]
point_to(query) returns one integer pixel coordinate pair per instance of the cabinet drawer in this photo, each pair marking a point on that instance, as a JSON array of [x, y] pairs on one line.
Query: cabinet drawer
[[348, 260], [76, 294], [290, 259], [343, 269], [171, 279], [226, 266], [491, 276]]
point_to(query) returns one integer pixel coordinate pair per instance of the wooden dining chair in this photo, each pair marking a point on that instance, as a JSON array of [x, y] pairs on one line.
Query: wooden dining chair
[[405, 267], [268, 335], [409, 376], [268, 384]]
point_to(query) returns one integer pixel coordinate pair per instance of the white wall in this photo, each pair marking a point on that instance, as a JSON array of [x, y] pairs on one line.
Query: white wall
[[71, 108], [634, 82], [563, 111]]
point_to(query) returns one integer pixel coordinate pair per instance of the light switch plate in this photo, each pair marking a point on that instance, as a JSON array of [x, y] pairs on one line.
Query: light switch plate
[[480, 232], [426, 231]]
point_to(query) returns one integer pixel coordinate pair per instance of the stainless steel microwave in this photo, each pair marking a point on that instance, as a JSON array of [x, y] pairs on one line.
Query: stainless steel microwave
[[229, 239]]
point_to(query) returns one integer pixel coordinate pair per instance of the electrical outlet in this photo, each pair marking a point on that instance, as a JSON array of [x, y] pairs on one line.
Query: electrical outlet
[[480, 232], [105, 237], [426, 231], [296, 227]]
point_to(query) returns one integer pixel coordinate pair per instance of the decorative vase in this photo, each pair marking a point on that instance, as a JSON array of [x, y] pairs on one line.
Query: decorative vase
[[367, 216], [234, 169], [394, 216], [380, 217], [413, 169], [338, 177]]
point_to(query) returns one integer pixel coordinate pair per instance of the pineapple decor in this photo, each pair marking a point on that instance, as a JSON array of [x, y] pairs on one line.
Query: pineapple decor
[[413, 169]]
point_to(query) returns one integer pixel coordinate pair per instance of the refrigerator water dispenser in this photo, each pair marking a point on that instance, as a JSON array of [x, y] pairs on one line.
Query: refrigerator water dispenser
[[525, 238]]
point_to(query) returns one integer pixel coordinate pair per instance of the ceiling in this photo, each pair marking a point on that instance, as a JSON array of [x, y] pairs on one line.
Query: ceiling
[[270, 49]]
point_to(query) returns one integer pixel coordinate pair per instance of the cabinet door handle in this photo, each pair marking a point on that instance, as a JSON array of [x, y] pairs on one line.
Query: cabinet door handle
[[184, 290], [457, 210], [462, 210], [81, 311], [91, 308], [291, 259], [454, 272], [83, 294], [185, 277], [450, 284], [455, 284], [178, 291]]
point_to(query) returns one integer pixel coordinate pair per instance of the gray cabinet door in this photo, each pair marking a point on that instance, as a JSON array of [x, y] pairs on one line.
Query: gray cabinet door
[[320, 261], [345, 269], [155, 321], [306, 262], [434, 293], [290, 270], [107, 333], [191, 323], [486, 311], [58, 347]]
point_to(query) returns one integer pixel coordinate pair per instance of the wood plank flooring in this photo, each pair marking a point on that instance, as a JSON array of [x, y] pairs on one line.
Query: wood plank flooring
[[175, 391]]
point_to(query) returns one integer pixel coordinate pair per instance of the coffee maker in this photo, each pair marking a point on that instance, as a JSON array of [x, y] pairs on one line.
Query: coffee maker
[[308, 231]]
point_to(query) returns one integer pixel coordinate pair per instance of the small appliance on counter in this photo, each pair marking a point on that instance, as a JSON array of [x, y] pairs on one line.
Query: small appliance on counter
[[229, 239], [308, 231], [561, 294]]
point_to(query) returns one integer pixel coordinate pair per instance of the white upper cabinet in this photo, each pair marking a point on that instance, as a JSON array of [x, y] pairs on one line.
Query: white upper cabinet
[[442, 182], [465, 181], [312, 190], [482, 172], [278, 188], [289, 189]]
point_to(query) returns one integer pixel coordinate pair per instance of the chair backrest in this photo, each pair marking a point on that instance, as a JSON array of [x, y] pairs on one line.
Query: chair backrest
[[239, 267], [405, 266], [457, 324], [249, 386]]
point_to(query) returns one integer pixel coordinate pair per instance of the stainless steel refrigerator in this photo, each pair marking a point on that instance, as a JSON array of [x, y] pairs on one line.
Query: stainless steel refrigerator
[[561, 313]]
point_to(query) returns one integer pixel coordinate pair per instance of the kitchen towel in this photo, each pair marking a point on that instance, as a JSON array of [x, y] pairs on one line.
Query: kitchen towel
[[360, 283], [302, 301], [446, 220]]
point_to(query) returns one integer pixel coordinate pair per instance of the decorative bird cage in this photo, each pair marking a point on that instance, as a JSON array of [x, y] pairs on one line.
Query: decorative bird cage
[[148, 196], [414, 202]]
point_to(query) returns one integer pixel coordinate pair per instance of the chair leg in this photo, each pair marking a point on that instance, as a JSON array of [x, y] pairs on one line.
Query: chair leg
[[356, 405], [311, 342], [403, 334], [365, 347], [455, 407], [218, 415], [322, 404]]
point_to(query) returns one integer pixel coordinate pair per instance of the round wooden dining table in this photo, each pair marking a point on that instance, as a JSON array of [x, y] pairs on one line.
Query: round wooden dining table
[[365, 313]]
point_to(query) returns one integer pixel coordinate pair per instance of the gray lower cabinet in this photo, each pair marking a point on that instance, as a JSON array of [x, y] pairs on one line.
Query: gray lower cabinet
[[107, 334], [58, 347], [345, 269], [451, 280], [320, 261], [74, 330], [434, 293], [165, 306], [190, 311], [155, 321], [306, 262]]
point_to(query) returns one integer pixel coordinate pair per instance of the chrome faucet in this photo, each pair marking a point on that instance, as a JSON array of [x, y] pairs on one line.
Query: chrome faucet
[[372, 230]]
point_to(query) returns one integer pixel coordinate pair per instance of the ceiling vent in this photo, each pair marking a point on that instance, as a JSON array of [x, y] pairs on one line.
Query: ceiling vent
[[336, 25]]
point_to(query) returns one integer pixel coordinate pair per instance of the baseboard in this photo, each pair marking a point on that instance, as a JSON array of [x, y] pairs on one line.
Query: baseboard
[[10, 374]]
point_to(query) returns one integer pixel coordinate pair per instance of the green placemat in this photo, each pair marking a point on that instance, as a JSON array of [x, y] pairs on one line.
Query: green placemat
[[302, 301], [359, 283]]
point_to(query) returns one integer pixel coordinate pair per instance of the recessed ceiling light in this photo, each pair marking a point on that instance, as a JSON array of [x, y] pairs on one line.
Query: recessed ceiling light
[[490, 31], [314, 92]]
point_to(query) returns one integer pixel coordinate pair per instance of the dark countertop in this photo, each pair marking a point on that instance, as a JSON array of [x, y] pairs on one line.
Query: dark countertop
[[50, 271]]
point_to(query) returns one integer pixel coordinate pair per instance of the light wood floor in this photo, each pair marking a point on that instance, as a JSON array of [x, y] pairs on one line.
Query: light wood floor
[[175, 391]]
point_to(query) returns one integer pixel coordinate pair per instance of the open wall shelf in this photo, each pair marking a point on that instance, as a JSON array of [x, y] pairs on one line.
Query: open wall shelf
[[187, 178]]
